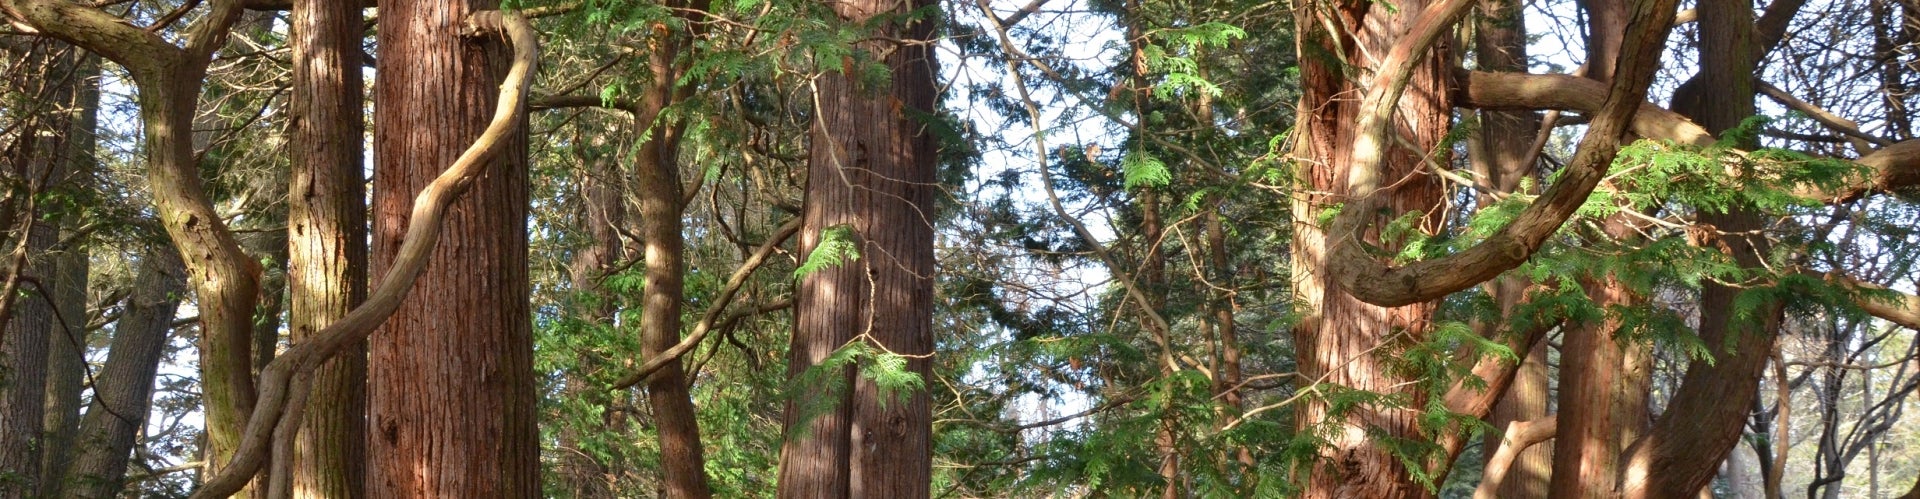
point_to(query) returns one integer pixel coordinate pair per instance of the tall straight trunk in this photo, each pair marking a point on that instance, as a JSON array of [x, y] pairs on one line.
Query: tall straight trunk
[[871, 169], [326, 236], [37, 157], [657, 182], [1228, 378], [1603, 395], [123, 386], [66, 368], [1502, 152], [1152, 272], [450, 377], [66, 346], [1346, 340]]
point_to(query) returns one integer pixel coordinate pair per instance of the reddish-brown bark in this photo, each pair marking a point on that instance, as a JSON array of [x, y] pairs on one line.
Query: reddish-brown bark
[[326, 236], [450, 386], [1603, 380], [1502, 153], [871, 169], [1340, 340]]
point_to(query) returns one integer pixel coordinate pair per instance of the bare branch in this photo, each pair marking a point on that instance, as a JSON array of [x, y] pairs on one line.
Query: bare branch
[[1891, 169], [720, 303], [1519, 436]]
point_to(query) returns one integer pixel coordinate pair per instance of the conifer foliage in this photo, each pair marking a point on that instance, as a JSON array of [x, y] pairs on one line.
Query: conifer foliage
[[959, 248]]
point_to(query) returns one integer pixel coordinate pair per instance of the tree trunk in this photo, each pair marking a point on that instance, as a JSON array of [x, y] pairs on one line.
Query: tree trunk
[[66, 368], [1227, 380], [224, 279], [1151, 274], [123, 386], [1604, 381], [67, 345], [1502, 152], [605, 211], [871, 170], [450, 377], [660, 212], [326, 235], [1348, 341], [1680, 455], [37, 158], [1603, 395]]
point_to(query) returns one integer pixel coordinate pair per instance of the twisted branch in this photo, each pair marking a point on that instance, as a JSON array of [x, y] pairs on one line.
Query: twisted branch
[[429, 214]]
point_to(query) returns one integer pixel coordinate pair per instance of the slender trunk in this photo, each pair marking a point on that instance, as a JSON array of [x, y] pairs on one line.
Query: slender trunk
[[657, 182], [1228, 376], [326, 235], [450, 377], [1743, 474], [605, 210], [271, 247], [66, 368], [871, 170], [1348, 341], [1152, 272], [123, 386]]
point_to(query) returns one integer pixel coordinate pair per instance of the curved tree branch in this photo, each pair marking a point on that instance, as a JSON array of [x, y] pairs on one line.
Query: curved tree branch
[[1519, 436], [1375, 282], [429, 214], [720, 303], [1892, 169], [1902, 309], [96, 30]]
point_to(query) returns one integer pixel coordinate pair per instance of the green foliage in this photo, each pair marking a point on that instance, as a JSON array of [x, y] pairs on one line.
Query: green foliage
[[1718, 177], [1175, 60], [1143, 170], [837, 246], [822, 387]]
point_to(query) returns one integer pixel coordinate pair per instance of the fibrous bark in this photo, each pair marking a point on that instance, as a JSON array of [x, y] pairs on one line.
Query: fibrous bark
[[660, 212], [1339, 341], [283, 383], [1682, 452], [1501, 152], [36, 158], [450, 380], [604, 211], [871, 169], [1604, 380], [66, 346], [326, 235]]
